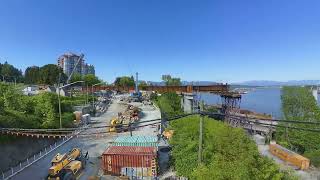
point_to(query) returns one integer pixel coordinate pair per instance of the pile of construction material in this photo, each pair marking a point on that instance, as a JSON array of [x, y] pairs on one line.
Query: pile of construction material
[[289, 156], [126, 99], [81, 119], [132, 157], [130, 115]]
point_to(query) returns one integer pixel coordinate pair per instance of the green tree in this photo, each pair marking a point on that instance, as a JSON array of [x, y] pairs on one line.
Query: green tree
[[32, 75], [91, 79], [46, 108], [124, 81], [11, 73], [298, 104], [171, 81], [49, 74], [76, 77]]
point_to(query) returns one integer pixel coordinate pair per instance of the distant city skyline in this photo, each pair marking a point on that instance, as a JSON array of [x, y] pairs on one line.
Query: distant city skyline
[[221, 41]]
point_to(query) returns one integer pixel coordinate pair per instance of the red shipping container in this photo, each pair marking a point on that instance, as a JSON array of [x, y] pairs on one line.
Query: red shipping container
[[116, 159]]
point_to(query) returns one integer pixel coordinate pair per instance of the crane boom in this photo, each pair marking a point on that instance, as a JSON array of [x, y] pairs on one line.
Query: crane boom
[[80, 57]]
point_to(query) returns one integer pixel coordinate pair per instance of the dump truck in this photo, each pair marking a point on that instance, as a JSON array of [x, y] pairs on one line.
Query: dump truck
[[67, 166]]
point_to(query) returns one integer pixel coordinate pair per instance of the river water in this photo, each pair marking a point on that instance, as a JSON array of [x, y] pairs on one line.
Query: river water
[[262, 100]]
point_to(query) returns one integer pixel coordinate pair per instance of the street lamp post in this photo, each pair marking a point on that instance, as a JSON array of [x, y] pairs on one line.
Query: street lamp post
[[93, 93], [59, 88]]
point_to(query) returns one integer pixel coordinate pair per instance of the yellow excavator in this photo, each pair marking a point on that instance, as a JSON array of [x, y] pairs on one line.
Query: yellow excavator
[[67, 166], [115, 125], [118, 126]]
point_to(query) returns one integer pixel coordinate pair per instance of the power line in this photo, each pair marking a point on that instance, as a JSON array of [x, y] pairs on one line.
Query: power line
[[274, 125], [265, 119], [70, 131]]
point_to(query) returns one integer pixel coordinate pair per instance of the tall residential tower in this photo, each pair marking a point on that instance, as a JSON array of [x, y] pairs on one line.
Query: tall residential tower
[[69, 61]]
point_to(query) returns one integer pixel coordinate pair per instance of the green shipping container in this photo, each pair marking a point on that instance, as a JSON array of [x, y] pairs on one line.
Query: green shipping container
[[144, 141]]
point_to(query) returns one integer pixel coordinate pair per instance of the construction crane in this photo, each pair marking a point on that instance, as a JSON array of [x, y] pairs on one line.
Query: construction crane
[[67, 166]]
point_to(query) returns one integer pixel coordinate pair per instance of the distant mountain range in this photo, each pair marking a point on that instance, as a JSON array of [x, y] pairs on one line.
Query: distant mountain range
[[279, 83]]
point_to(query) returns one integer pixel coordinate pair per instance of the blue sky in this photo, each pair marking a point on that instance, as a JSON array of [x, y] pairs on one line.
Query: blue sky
[[225, 41]]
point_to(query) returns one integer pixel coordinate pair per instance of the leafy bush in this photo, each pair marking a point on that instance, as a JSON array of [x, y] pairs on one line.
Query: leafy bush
[[40, 111], [170, 104], [67, 120], [314, 157], [228, 153]]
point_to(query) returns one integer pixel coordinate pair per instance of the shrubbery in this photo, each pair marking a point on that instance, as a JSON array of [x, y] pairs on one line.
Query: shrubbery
[[228, 153], [169, 103], [40, 111]]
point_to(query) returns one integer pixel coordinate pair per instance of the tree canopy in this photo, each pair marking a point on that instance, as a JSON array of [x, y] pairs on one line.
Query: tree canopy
[[91, 79], [49, 74], [32, 75], [171, 81], [76, 77], [9, 73], [298, 104], [124, 81]]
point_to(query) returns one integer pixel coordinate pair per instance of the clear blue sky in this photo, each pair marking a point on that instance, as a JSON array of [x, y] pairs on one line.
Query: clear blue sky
[[229, 41]]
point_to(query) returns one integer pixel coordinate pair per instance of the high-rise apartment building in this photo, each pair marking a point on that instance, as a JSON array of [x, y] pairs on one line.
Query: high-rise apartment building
[[69, 61]]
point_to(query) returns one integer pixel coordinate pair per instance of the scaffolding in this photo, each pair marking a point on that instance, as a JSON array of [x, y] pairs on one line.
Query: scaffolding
[[230, 106]]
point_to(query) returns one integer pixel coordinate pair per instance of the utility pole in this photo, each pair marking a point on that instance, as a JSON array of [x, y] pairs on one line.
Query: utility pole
[[200, 134], [136, 84], [59, 100], [87, 102]]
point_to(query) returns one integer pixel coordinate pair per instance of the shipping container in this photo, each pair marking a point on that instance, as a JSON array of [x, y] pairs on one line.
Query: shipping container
[[133, 161], [289, 156], [136, 141]]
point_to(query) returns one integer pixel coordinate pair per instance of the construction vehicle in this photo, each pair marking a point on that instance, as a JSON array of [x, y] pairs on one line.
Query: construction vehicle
[[118, 124], [115, 125], [67, 166]]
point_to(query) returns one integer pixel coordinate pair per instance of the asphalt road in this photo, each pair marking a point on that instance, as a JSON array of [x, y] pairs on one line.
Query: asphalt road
[[95, 146]]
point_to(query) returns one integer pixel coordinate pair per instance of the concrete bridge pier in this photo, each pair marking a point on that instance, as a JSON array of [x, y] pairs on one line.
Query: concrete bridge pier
[[187, 102], [315, 93]]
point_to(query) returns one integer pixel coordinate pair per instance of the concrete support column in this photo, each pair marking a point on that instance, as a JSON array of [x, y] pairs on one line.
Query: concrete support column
[[315, 94], [187, 101]]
